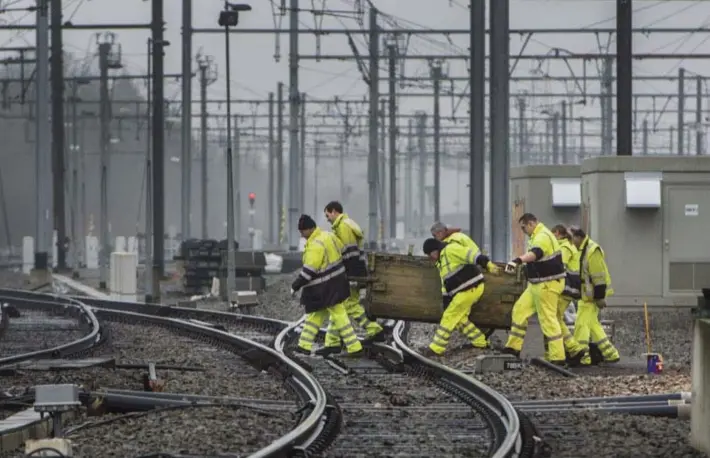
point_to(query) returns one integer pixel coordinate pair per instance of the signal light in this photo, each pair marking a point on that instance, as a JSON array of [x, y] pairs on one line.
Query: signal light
[[252, 198]]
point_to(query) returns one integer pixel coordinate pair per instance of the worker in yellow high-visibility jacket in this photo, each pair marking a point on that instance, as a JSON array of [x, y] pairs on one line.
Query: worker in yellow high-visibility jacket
[[545, 273], [596, 287], [324, 287], [462, 285], [352, 238], [573, 283]]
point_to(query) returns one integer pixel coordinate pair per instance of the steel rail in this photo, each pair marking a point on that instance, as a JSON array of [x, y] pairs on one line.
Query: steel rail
[[84, 315], [498, 411], [263, 358], [512, 433], [212, 316]]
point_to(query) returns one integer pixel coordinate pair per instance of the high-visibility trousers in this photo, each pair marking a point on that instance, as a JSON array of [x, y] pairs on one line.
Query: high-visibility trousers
[[357, 313], [571, 345], [455, 317], [540, 298], [340, 322], [588, 328]]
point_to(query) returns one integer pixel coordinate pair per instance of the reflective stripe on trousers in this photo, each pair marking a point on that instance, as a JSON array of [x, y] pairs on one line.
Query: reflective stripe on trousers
[[541, 299], [456, 317], [588, 328], [356, 312], [339, 319]]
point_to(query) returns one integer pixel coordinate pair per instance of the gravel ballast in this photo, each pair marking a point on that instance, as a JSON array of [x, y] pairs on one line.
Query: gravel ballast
[[210, 431], [591, 434]]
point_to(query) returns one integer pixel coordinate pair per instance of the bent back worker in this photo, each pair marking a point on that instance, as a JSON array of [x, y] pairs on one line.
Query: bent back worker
[[462, 286], [573, 284], [324, 286], [596, 287], [546, 273], [444, 233], [351, 236]]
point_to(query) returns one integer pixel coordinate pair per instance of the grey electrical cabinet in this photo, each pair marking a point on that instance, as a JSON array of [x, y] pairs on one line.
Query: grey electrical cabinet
[[652, 217], [551, 192]]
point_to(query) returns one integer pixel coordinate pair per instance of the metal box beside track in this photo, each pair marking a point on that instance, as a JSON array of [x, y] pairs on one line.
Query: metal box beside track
[[405, 287]]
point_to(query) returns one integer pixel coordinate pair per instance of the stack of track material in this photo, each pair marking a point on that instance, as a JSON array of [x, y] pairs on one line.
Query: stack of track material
[[249, 268], [405, 287], [201, 261]]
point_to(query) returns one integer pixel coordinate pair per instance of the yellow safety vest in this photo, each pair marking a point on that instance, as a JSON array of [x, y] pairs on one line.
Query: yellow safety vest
[[549, 267], [570, 259], [458, 269], [322, 279], [352, 238], [461, 239], [594, 271]]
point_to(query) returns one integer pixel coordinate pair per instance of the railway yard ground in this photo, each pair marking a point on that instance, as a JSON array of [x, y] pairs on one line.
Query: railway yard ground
[[387, 407]]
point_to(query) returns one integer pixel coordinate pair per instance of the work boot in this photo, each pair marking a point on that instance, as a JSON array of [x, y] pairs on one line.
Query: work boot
[[302, 351], [328, 351], [379, 337], [612, 361], [354, 354], [595, 354], [576, 359], [429, 353], [559, 363], [511, 351]]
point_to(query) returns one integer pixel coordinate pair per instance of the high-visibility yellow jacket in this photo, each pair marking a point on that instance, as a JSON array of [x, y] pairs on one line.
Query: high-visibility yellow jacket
[[548, 266], [570, 259], [461, 239], [594, 272], [353, 239], [322, 279], [460, 269]]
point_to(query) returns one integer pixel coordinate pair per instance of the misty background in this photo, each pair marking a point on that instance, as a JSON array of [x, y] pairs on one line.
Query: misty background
[[259, 62]]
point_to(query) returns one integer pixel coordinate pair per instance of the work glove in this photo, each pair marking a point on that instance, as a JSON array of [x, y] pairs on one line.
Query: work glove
[[512, 266], [493, 269], [353, 284], [601, 303], [293, 292]]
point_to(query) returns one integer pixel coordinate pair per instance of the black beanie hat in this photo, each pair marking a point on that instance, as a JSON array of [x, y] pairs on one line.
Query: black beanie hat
[[306, 222], [432, 245]]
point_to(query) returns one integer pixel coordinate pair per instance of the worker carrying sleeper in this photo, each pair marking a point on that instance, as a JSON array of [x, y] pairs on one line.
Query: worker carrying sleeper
[[546, 279], [352, 238], [596, 287], [573, 284], [462, 285], [324, 288]]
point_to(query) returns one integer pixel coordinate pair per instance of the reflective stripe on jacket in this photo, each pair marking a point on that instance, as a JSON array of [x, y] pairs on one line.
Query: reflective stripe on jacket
[[549, 264], [570, 259], [352, 238], [594, 271], [322, 280], [458, 269]]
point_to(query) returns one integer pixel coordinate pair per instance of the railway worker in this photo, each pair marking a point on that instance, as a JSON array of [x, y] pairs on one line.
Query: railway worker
[[573, 284], [462, 285], [596, 287], [324, 286], [352, 238], [545, 273], [443, 233]]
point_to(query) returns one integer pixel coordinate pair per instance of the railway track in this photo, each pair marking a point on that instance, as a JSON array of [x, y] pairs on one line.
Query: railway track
[[394, 403], [397, 403], [200, 414]]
